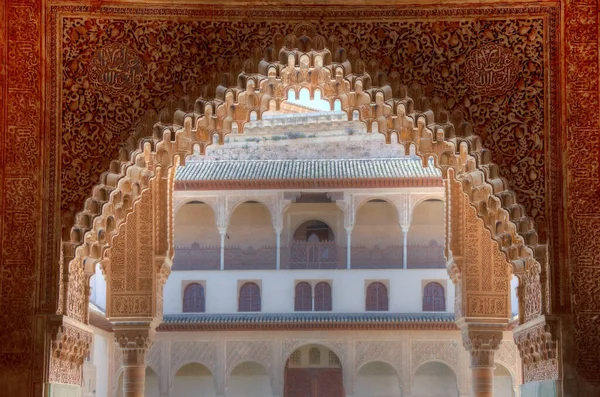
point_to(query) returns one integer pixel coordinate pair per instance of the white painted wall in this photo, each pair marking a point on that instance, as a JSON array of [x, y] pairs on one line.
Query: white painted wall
[[348, 288], [100, 358], [503, 383], [514, 299], [98, 284]]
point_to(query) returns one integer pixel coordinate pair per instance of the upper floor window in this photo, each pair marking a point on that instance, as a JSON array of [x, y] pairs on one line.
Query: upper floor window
[[323, 297], [193, 298], [433, 298], [303, 299], [249, 300], [377, 297]]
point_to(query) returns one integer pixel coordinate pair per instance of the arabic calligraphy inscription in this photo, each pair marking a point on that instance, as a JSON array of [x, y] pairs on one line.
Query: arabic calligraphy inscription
[[491, 70], [115, 68]]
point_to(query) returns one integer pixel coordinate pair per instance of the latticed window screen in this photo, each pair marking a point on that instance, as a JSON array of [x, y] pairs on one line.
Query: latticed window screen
[[193, 298], [333, 358], [377, 297], [249, 298], [302, 301], [295, 357], [433, 298], [323, 297], [314, 356]]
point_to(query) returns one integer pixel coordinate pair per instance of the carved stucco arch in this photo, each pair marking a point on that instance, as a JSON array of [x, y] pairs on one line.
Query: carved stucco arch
[[453, 368], [339, 349], [236, 364], [265, 201], [401, 382], [380, 360], [416, 121], [509, 368], [188, 200], [210, 368], [458, 376], [309, 218]]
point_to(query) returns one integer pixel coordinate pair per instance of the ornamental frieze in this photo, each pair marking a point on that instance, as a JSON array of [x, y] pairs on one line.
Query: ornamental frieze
[[487, 71]]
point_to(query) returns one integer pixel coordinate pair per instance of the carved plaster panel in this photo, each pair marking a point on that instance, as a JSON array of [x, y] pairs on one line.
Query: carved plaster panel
[[201, 352], [247, 350], [446, 351]]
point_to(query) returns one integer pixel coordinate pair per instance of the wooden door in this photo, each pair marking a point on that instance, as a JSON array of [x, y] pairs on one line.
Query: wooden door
[[313, 382]]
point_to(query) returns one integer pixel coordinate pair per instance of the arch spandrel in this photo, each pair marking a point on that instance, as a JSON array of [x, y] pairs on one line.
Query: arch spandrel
[[415, 122]]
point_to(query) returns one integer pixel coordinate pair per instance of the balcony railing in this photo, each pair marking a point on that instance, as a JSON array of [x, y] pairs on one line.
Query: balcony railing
[[377, 257], [196, 257], [313, 255], [426, 256], [263, 258], [309, 255]]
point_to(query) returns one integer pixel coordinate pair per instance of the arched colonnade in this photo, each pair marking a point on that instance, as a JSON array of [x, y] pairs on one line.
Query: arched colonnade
[[127, 224], [231, 234]]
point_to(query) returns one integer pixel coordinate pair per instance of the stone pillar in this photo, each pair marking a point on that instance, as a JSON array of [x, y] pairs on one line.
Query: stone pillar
[[404, 246], [222, 232], [278, 248], [482, 344], [348, 247], [134, 341]]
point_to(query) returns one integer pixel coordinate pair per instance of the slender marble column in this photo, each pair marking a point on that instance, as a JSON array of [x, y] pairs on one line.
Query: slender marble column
[[348, 247], [134, 343], [404, 247], [222, 232], [482, 345], [278, 248]]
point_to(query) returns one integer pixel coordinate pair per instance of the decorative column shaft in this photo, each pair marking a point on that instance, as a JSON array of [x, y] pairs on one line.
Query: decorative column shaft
[[404, 247], [278, 249], [222, 232], [134, 343], [348, 247], [482, 344]]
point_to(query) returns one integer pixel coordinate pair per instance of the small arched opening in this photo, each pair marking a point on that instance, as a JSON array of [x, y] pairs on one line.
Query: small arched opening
[[434, 379], [314, 247], [376, 237], [194, 299], [434, 297], [191, 379], [249, 379], [503, 381], [377, 379], [250, 239], [426, 236], [197, 238]]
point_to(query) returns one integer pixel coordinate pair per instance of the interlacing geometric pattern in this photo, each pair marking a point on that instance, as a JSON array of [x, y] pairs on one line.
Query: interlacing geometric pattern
[[399, 113]]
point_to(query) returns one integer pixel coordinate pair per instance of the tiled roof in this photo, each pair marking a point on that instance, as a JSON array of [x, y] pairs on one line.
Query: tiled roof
[[305, 169], [200, 321]]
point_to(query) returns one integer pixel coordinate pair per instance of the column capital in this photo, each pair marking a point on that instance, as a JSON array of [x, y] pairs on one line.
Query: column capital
[[134, 340], [481, 345]]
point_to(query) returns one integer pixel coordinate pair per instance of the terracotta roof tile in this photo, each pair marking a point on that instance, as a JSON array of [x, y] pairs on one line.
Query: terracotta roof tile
[[305, 169]]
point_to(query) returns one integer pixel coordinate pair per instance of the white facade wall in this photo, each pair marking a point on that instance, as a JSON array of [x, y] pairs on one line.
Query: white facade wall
[[97, 371], [277, 288]]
